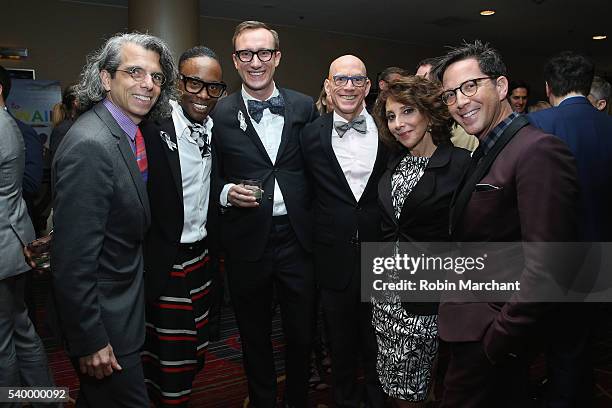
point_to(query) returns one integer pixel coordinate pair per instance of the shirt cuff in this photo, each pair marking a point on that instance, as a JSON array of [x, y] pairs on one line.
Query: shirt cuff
[[223, 198]]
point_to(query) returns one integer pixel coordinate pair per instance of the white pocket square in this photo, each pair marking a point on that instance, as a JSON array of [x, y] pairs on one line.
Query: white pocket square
[[166, 137], [486, 187]]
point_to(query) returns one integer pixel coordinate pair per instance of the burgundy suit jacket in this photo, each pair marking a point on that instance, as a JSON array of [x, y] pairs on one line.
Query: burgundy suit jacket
[[536, 201]]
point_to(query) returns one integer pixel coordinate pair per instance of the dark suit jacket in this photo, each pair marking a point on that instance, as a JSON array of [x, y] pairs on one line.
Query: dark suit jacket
[[241, 155], [101, 215], [165, 188], [588, 134], [536, 202], [425, 213], [57, 134], [337, 215], [33, 172]]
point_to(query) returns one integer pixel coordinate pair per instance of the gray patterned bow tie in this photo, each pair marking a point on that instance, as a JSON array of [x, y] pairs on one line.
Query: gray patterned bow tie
[[359, 124], [198, 134], [276, 106]]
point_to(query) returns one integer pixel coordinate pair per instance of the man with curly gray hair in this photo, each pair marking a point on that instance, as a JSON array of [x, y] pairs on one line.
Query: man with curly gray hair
[[101, 215]]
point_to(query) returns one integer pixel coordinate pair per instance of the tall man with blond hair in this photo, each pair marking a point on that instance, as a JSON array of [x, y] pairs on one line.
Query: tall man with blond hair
[[266, 230]]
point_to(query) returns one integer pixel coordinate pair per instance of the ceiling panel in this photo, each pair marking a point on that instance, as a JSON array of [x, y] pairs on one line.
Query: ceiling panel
[[529, 27]]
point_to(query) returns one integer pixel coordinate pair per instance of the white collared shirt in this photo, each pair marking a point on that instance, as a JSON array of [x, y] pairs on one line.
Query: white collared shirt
[[356, 153], [269, 129], [195, 175]]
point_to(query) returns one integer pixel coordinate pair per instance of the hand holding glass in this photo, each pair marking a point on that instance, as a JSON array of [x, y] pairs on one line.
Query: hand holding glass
[[255, 186], [39, 251]]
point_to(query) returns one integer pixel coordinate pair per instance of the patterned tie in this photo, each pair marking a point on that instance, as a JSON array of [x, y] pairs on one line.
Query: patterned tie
[[359, 124], [198, 134], [276, 105], [141, 155]]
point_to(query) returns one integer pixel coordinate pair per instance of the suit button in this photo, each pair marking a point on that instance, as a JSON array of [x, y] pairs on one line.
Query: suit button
[[270, 197], [358, 208], [275, 170]]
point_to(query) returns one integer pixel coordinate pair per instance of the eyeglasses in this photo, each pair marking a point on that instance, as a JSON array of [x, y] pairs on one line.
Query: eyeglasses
[[264, 55], [195, 86], [468, 88], [139, 74], [342, 80]]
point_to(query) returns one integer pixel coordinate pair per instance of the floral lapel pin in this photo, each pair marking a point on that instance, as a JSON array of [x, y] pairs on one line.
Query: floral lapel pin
[[166, 138], [243, 124]]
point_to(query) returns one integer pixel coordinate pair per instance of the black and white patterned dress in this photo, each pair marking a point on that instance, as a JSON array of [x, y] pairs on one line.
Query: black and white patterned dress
[[407, 343]]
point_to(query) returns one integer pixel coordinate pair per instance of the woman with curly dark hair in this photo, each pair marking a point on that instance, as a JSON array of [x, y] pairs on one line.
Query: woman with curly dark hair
[[415, 194]]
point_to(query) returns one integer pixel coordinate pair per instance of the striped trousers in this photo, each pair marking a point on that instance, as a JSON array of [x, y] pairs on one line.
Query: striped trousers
[[177, 329]]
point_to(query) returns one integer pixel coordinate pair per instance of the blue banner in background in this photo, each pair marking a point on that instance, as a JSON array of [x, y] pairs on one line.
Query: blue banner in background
[[32, 101]]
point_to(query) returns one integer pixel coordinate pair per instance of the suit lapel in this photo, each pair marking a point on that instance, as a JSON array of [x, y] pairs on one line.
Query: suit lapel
[[130, 161], [378, 165], [464, 193], [384, 192], [426, 185], [326, 135], [173, 156], [287, 125], [128, 156], [250, 130]]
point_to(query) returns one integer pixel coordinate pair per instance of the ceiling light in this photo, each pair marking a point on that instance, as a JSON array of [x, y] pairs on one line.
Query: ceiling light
[[487, 12], [600, 37]]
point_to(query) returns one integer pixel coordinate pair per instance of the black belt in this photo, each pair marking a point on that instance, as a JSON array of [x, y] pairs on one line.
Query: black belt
[[280, 220], [192, 246]]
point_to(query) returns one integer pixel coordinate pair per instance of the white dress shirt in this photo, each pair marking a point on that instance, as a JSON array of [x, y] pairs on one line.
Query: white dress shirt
[[269, 129], [356, 153], [195, 175]]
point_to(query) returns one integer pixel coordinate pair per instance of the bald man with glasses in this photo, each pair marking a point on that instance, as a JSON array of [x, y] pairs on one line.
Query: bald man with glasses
[[345, 160]]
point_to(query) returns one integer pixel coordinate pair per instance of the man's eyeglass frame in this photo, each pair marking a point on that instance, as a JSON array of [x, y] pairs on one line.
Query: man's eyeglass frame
[[452, 93], [342, 80], [138, 74], [253, 53], [204, 84]]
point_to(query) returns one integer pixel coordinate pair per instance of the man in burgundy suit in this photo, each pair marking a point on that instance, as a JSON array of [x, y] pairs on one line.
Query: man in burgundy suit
[[521, 188]]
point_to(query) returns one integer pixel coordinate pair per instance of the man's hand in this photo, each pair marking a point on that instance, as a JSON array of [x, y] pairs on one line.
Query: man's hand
[[239, 196], [100, 364], [27, 254]]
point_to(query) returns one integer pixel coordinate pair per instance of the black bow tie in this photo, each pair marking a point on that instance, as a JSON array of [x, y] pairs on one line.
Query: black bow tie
[[359, 124], [198, 134], [276, 105]]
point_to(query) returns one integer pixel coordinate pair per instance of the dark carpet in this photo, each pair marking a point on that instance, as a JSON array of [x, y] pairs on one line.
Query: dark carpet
[[222, 384]]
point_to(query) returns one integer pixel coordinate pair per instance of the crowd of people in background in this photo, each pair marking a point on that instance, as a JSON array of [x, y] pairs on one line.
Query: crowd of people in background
[[158, 173]]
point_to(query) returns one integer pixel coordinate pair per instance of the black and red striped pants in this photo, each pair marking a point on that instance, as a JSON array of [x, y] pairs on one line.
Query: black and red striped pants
[[177, 331]]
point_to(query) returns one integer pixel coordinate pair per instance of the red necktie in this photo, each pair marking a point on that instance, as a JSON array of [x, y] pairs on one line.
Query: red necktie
[[141, 155]]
